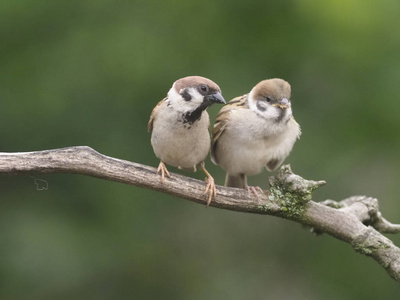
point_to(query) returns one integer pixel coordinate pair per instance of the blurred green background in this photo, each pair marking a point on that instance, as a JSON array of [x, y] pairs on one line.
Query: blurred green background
[[90, 72]]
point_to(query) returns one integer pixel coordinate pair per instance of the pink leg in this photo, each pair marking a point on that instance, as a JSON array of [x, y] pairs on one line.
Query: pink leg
[[163, 170], [210, 187]]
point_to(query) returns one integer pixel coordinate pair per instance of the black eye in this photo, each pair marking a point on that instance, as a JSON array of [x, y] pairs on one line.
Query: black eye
[[268, 99], [204, 88]]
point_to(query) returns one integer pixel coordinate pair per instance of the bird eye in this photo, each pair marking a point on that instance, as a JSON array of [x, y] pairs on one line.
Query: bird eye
[[204, 88], [268, 99]]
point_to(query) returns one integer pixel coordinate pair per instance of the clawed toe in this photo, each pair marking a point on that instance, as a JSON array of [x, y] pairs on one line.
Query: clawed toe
[[163, 170], [210, 189], [255, 190]]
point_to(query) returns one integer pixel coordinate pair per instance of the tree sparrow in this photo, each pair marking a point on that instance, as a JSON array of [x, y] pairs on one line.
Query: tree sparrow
[[180, 127], [253, 131]]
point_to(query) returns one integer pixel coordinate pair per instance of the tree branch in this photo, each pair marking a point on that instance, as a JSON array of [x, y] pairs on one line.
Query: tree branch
[[355, 220]]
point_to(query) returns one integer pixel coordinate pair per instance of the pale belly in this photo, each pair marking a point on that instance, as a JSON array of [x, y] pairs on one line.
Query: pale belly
[[250, 156], [181, 147], [246, 159]]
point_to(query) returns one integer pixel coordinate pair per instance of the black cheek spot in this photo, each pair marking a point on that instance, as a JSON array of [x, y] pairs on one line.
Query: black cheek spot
[[260, 107], [185, 95]]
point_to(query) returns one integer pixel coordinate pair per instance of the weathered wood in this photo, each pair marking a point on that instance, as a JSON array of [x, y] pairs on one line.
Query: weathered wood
[[355, 220]]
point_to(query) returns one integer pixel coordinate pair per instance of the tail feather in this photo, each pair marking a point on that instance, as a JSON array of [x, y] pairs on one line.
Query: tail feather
[[238, 181]]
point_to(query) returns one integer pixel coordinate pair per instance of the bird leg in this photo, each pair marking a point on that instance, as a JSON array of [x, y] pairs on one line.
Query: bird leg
[[210, 187], [163, 170]]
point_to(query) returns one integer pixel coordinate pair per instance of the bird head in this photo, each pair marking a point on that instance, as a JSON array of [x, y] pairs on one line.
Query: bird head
[[271, 99], [194, 93]]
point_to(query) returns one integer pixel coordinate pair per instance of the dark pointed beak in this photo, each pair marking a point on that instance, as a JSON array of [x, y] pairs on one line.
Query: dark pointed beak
[[216, 98]]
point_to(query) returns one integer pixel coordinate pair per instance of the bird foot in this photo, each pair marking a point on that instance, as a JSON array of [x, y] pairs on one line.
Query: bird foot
[[255, 190], [210, 189], [163, 170]]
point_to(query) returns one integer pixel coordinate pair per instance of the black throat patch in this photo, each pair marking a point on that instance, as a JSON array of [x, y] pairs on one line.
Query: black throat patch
[[282, 115], [193, 116]]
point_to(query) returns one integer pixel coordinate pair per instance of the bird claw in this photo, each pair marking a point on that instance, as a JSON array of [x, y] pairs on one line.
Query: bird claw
[[255, 190], [163, 170], [210, 189]]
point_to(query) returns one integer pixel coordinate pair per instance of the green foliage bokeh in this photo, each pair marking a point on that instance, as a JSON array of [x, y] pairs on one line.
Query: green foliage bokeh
[[89, 73]]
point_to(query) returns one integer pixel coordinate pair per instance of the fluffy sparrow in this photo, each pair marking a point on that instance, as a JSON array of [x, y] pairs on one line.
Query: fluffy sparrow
[[180, 127], [254, 131]]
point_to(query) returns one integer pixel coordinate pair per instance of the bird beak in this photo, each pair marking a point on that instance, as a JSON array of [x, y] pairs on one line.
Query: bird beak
[[216, 98], [284, 103]]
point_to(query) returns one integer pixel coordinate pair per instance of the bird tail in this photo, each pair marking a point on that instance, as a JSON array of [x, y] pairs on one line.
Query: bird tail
[[238, 181]]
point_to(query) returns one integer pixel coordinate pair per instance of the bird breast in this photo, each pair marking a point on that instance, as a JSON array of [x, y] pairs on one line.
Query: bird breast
[[246, 147], [180, 144]]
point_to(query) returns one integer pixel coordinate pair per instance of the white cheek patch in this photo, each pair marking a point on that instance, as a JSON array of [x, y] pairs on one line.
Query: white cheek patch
[[261, 106], [180, 104], [172, 94], [196, 96]]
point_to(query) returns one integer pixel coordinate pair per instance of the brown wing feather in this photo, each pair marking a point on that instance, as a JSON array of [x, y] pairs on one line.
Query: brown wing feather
[[153, 115], [221, 122]]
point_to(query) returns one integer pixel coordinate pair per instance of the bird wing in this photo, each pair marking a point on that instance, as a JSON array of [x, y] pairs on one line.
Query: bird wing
[[154, 114], [221, 121]]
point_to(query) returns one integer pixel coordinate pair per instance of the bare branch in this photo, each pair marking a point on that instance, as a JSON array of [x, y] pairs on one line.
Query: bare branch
[[355, 220]]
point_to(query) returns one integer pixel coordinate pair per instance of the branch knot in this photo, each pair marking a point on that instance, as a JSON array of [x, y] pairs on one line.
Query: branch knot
[[291, 191]]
